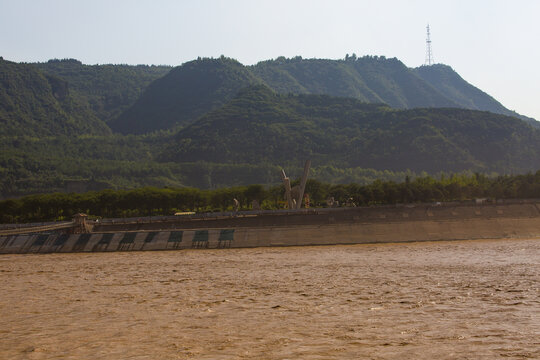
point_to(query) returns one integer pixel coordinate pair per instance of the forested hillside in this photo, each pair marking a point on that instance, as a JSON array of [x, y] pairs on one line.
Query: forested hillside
[[35, 104], [215, 122], [370, 79], [107, 89], [379, 79], [262, 126], [184, 94], [78, 164], [142, 99], [202, 85], [450, 84]]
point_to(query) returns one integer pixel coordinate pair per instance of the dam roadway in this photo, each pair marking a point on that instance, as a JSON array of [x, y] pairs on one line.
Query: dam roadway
[[315, 226]]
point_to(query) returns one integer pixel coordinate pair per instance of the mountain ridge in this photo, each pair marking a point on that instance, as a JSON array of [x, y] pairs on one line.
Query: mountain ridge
[[260, 125], [451, 84], [231, 127], [107, 89], [370, 79], [184, 94], [38, 104]]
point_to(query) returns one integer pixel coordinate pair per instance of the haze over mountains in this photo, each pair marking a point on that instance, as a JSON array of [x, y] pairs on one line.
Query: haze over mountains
[[213, 122]]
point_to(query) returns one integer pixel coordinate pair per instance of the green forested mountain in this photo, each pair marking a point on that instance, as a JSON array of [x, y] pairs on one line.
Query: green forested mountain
[[200, 86], [226, 124], [184, 94], [450, 84], [31, 165], [35, 104], [370, 79], [107, 89], [378, 79], [262, 126], [142, 99], [249, 138]]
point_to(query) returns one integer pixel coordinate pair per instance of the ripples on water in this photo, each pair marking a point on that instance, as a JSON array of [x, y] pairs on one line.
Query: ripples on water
[[447, 300]]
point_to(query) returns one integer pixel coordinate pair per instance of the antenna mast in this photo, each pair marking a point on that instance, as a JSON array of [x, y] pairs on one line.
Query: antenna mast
[[429, 52]]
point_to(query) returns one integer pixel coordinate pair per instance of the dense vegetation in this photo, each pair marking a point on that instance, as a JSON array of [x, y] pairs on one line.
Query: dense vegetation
[[35, 104], [249, 138], [448, 82], [108, 90], [220, 130], [202, 85], [262, 126], [69, 97], [370, 79], [153, 201], [65, 164], [184, 94]]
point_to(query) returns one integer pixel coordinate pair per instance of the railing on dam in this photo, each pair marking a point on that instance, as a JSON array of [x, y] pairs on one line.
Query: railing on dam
[[78, 225], [38, 229], [254, 218]]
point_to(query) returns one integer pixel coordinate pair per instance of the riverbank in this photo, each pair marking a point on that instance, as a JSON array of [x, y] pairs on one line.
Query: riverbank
[[423, 222]]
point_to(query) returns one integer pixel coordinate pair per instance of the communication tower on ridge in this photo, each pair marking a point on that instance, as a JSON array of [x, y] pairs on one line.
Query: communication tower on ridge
[[429, 52]]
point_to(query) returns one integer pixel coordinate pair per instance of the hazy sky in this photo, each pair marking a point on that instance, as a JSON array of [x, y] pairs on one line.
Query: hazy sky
[[490, 43]]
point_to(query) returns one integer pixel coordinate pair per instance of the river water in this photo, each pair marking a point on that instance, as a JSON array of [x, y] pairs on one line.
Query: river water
[[444, 300]]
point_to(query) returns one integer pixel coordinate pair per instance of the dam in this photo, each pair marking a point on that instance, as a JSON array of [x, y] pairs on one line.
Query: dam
[[301, 227]]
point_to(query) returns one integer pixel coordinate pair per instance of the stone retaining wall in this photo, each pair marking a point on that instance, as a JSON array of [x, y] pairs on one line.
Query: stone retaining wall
[[323, 234]]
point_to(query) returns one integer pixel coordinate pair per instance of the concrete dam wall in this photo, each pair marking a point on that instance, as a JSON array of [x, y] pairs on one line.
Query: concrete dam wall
[[314, 227]]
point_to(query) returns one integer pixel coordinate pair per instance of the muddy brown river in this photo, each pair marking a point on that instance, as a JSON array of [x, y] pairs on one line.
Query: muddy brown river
[[443, 300]]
